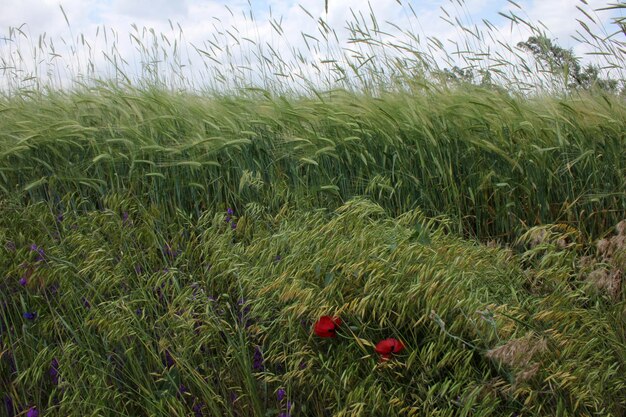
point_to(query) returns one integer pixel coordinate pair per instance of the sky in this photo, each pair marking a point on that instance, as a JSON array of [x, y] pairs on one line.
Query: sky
[[192, 24]]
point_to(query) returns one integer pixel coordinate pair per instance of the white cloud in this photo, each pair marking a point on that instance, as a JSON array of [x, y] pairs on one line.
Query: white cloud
[[152, 9], [240, 36]]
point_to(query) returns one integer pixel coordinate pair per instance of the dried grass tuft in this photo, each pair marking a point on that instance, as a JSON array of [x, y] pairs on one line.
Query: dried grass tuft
[[520, 356], [537, 237], [608, 281], [518, 353]]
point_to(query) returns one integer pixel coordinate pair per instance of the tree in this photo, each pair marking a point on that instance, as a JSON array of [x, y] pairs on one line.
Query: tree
[[481, 77], [563, 61]]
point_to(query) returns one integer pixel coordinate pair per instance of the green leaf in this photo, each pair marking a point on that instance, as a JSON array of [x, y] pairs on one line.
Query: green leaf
[[421, 235], [36, 184], [328, 279], [100, 157]]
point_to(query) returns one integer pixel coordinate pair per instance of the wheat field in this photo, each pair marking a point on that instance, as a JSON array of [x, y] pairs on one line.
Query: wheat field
[[386, 238]]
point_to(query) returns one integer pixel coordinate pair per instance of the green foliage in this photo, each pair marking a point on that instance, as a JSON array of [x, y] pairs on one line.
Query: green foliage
[[484, 335], [166, 252], [496, 164], [563, 61]]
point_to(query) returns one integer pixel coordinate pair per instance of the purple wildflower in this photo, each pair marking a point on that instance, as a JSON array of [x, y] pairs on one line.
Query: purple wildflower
[[229, 219], [23, 281], [53, 289], [281, 394], [60, 217], [41, 254], [182, 389], [139, 312], [197, 409], [8, 404], [287, 412], [233, 397], [169, 252], [11, 360], [159, 293], [124, 217], [30, 315], [54, 371], [305, 323], [86, 303], [169, 360], [257, 360], [33, 412]]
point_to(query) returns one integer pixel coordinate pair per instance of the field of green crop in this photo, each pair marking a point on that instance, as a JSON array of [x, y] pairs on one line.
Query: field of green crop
[[395, 245]]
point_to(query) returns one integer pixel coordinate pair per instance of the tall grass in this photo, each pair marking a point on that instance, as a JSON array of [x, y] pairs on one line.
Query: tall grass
[[153, 314], [495, 163], [377, 117], [173, 223]]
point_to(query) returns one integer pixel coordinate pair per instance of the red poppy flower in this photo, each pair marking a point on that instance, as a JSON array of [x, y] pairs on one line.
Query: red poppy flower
[[327, 326], [388, 347]]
